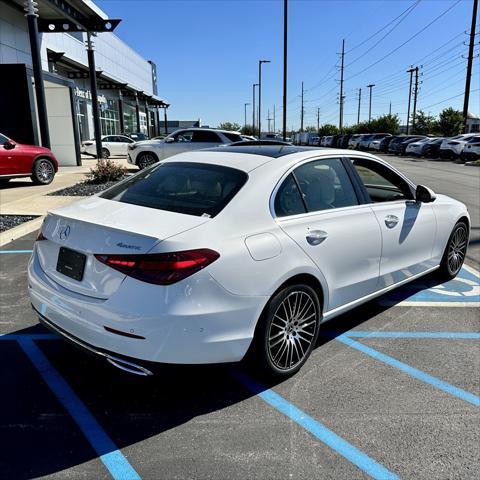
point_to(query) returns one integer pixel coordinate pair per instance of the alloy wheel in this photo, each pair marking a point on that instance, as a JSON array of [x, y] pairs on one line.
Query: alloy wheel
[[292, 330], [146, 160], [44, 170], [457, 249]]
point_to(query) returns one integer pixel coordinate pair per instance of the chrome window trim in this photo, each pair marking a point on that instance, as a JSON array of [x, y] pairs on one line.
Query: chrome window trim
[[332, 157]]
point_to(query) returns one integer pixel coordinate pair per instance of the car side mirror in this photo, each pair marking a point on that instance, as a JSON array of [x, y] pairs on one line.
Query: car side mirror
[[9, 145], [169, 140], [424, 194]]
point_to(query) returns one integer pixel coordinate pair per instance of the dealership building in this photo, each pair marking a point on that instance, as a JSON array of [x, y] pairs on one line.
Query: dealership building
[[47, 94]]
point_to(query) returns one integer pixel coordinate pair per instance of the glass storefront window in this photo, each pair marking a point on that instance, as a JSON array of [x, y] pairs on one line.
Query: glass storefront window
[[109, 121], [129, 118]]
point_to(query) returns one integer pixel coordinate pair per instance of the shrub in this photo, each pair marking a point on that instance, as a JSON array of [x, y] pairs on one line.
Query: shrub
[[106, 171]]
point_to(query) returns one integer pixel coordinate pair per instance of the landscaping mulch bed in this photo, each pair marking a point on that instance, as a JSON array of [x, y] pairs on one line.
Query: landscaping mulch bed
[[9, 221], [84, 189]]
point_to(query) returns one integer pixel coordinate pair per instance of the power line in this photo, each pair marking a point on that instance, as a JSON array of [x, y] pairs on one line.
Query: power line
[[405, 14], [381, 30], [408, 40]]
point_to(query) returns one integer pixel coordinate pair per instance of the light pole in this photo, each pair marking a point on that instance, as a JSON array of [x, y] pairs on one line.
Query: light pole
[[260, 62], [285, 46], [253, 108], [370, 102], [245, 123]]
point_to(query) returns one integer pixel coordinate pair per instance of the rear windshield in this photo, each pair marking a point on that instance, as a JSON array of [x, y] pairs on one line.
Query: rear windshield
[[191, 188]]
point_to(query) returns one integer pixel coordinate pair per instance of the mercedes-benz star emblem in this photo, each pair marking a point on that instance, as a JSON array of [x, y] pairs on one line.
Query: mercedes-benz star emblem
[[64, 232]]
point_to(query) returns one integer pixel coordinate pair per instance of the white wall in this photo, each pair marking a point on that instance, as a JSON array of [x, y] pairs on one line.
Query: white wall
[[59, 111], [14, 43]]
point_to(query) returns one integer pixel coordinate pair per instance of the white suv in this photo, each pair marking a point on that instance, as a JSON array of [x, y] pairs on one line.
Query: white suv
[[453, 147], [149, 152]]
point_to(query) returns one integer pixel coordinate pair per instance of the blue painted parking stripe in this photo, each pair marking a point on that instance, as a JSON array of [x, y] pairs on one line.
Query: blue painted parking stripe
[[320, 431], [414, 372], [16, 251], [434, 335], [109, 454]]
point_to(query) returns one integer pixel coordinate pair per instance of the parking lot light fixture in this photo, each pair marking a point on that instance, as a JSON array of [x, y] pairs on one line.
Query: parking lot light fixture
[[253, 109], [260, 62]]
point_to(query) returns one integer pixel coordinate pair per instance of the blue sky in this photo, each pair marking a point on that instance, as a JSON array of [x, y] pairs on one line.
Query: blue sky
[[207, 54]]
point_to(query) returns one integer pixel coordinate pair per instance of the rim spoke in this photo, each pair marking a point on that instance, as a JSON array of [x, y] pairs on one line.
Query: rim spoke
[[292, 330]]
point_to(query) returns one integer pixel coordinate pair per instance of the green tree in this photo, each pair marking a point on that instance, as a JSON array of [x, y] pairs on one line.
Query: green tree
[[450, 122], [247, 130], [385, 124], [424, 124], [232, 126], [310, 128], [328, 129]]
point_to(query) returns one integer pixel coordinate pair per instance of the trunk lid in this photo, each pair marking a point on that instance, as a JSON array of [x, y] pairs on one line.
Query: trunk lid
[[99, 226]]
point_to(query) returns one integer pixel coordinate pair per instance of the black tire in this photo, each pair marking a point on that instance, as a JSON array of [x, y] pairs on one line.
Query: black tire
[[145, 159], [287, 331], [454, 254], [43, 171], [105, 153]]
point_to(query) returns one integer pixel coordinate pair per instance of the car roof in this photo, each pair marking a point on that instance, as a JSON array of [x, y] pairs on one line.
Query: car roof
[[249, 158]]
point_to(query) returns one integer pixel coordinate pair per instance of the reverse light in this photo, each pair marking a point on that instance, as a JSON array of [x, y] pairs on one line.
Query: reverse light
[[161, 268]]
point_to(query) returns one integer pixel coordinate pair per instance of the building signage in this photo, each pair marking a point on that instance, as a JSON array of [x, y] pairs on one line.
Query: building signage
[[79, 92]]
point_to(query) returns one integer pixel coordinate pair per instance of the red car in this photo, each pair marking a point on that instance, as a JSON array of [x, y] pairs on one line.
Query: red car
[[17, 160]]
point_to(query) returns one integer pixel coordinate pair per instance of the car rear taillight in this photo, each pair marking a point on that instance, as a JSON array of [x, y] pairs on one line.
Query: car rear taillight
[[40, 236], [161, 268]]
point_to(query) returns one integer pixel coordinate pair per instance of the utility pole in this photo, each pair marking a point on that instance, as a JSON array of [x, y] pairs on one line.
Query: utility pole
[[253, 109], [340, 123], [274, 128], [370, 103], [285, 45], [359, 103], [268, 120], [245, 121], [301, 113], [410, 71], [318, 119], [469, 65], [415, 94], [390, 108]]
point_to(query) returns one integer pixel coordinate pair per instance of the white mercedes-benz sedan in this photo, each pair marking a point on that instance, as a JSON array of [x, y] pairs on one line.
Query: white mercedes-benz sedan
[[236, 252]]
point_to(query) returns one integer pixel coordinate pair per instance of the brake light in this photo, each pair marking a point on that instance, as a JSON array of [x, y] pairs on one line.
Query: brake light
[[161, 268]]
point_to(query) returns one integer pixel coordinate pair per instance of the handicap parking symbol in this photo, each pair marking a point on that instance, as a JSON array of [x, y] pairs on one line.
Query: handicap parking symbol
[[462, 291]]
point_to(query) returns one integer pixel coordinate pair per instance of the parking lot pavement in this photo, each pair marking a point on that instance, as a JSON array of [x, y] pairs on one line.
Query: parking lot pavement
[[391, 391]]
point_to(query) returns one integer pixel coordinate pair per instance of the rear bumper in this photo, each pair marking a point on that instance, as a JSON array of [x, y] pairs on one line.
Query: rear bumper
[[469, 156], [191, 322]]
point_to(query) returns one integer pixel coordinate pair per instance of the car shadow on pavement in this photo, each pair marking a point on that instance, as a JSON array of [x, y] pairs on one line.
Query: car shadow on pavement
[[39, 437]]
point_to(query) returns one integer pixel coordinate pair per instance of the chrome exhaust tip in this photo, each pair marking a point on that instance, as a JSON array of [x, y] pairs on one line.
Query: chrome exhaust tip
[[128, 366]]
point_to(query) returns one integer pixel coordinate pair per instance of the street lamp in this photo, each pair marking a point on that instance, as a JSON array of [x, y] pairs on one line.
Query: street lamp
[[245, 122], [260, 96], [253, 108], [370, 102]]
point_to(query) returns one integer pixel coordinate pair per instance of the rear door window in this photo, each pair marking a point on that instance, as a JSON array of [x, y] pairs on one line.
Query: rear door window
[[190, 188], [205, 136]]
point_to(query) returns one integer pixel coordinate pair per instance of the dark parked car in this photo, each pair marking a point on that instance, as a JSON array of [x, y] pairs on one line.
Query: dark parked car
[[335, 141], [403, 145], [432, 149], [394, 146], [18, 160], [345, 140], [385, 143]]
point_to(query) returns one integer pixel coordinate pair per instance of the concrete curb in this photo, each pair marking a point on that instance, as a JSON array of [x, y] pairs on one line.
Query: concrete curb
[[20, 230]]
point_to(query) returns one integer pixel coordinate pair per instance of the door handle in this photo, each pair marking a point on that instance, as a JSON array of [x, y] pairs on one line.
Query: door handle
[[391, 221], [316, 237]]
